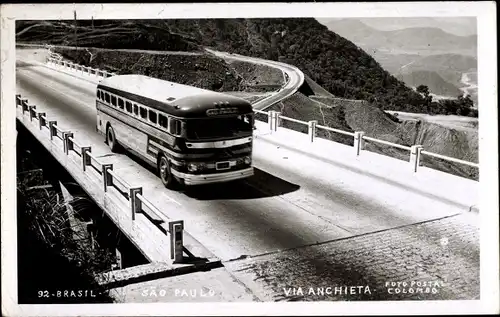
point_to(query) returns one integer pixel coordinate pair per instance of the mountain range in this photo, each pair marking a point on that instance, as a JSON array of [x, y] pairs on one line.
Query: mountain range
[[462, 26], [422, 40], [421, 45]]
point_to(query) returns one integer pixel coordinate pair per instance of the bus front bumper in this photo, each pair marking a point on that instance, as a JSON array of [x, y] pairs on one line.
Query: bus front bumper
[[190, 179]]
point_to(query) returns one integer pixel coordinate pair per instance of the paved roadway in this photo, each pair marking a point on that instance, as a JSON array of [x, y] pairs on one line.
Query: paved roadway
[[294, 81], [296, 200]]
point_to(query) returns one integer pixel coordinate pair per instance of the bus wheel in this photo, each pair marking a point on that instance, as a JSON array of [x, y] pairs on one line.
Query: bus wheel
[[165, 174], [111, 139]]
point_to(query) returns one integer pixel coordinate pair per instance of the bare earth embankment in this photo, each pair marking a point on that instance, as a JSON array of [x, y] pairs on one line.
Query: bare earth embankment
[[198, 69]]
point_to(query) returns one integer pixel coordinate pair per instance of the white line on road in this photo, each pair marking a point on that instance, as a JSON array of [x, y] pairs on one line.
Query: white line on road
[[171, 199]]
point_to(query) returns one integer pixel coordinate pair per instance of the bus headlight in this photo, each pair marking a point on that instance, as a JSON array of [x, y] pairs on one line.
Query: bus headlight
[[193, 167], [247, 160]]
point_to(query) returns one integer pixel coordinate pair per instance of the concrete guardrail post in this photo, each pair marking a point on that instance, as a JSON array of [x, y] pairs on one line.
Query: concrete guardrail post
[[85, 157], [41, 120], [52, 130], [106, 177], [273, 120], [135, 203], [24, 104], [359, 143], [32, 111], [311, 131], [68, 145], [277, 115], [65, 142], [415, 154], [176, 229]]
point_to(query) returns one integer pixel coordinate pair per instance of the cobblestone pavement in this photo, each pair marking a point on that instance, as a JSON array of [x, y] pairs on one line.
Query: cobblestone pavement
[[434, 260]]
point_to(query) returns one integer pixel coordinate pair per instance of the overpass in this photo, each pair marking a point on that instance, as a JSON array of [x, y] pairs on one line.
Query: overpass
[[306, 190]]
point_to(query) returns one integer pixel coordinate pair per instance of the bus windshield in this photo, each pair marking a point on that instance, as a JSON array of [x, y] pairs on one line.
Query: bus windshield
[[212, 128]]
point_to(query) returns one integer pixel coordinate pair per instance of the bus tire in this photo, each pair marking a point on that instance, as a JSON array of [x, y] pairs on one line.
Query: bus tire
[[165, 173], [111, 139]]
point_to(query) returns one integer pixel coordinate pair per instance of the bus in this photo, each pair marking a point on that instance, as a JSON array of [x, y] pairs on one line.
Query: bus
[[191, 136]]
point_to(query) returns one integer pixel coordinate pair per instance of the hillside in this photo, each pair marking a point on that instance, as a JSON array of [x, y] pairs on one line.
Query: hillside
[[327, 58], [444, 63], [199, 69], [448, 66], [202, 70], [451, 68], [436, 84]]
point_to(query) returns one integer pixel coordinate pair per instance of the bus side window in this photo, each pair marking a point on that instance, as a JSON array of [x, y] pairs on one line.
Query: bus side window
[[144, 113], [128, 106], [120, 103], [152, 116], [106, 97], [98, 94], [113, 100], [136, 109], [162, 120]]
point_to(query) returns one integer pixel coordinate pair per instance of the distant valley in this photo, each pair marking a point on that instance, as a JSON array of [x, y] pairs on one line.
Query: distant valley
[[432, 80], [418, 55]]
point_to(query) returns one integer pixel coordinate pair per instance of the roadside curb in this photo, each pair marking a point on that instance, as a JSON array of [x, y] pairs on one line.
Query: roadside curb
[[151, 271]]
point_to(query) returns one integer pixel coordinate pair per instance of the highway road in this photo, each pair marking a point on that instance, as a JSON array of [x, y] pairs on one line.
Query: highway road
[[294, 200], [295, 77]]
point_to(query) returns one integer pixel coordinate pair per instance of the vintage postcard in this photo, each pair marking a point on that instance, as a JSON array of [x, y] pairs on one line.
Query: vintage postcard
[[256, 159]]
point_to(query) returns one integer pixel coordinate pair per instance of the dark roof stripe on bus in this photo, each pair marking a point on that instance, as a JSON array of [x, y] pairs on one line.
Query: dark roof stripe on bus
[[190, 106]]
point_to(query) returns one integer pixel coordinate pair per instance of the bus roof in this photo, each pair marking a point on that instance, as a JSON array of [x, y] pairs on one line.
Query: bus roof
[[177, 99]]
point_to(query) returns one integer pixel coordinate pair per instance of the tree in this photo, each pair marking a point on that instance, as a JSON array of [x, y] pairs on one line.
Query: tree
[[465, 102], [424, 90]]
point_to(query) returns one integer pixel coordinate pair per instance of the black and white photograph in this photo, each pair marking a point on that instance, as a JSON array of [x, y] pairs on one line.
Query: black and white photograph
[[340, 154]]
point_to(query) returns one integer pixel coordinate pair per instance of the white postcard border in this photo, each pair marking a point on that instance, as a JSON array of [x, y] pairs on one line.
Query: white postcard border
[[488, 154]]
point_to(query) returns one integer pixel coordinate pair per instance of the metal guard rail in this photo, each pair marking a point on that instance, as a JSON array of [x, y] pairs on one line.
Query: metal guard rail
[[416, 151], [402, 147], [78, 67], [443, 157], [109, 178]]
